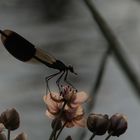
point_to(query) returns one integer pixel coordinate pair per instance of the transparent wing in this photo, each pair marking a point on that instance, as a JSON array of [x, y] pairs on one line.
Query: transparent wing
[[41, 54]]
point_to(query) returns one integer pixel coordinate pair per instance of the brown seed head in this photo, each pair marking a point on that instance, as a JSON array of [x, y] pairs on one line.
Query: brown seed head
[[10, 119], [68, 138], [118, 124], [98, 123]]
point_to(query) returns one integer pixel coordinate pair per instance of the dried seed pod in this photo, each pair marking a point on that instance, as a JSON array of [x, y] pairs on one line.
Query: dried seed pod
[[98, 123], [58, 124], [2, 136], [21, 136], [10, 119], [118, 124], [18, 46]]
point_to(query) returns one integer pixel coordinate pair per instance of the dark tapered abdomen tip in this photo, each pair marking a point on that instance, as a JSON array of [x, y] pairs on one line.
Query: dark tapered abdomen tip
[[17, 45]]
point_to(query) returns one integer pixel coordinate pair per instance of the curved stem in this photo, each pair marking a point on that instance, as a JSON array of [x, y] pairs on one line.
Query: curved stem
[[93, 135], [60, 130]]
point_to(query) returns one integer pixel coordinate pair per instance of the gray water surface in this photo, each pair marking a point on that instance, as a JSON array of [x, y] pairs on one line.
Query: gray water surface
[[76, 40]]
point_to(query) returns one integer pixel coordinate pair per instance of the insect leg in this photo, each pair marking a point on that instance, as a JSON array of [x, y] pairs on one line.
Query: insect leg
[[50, 77], [58, 80], [65, 79]]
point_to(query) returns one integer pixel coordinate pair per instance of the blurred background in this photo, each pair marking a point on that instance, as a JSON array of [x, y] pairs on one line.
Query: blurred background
[[67, 31]]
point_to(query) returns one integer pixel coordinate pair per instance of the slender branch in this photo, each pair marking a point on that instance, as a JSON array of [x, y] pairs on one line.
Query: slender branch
[[93, 135], [115, 46], [60, 130]]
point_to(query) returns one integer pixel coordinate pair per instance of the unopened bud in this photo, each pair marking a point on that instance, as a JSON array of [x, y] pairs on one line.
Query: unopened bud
[[2, 136], [21, 136], [68, 138], [56, 123], [118, 124], [98, 123], [10, 119]]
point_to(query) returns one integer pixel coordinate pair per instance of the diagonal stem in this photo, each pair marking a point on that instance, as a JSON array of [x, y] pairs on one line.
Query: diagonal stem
[[115, 46], [99, 78], [109, 135], [60, 130], [92, 137], [97, 84]]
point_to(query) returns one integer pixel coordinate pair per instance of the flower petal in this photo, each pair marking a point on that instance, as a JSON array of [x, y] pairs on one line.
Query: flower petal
[[80, 123], [51, 104], [81, 97], [51, 116], [79, 111], [69, 124]]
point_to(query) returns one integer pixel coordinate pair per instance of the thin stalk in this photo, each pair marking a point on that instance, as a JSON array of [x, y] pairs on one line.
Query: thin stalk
[[101, 71], [115, 46], [109, 135], [8, 134], [99, 78], [55, 126], [60, 130], [97, 84], [93, 135]]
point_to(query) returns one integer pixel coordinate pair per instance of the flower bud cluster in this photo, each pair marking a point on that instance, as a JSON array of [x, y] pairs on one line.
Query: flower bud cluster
[[99, 124]]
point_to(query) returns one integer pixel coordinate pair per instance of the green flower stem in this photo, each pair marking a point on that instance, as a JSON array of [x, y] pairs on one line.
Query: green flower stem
[[55, 126], [93, 135]]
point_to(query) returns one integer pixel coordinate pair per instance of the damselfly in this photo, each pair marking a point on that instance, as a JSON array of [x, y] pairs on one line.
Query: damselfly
[[24, 51]]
